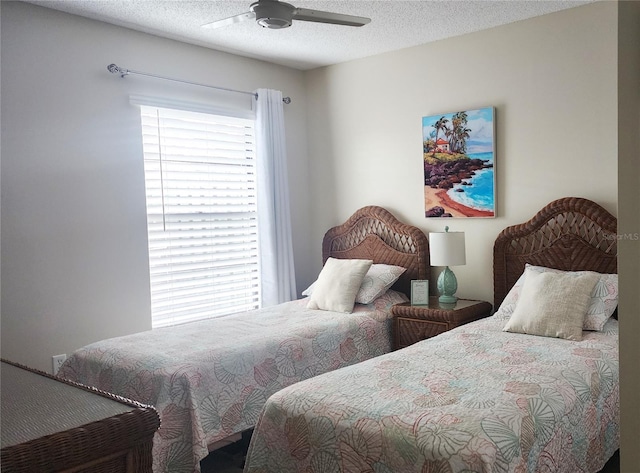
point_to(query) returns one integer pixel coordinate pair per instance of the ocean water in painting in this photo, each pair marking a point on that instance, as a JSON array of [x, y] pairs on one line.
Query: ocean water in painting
[[479, 195]]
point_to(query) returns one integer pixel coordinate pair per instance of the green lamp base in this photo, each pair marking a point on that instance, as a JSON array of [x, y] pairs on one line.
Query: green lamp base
[[447, 286]]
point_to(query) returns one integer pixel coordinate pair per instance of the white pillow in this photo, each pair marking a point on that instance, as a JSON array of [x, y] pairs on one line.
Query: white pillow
[[338, 284], [376, 282], [604, 297], [553, 304]]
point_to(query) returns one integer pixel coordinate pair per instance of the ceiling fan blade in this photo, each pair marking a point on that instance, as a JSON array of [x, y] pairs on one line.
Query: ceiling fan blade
[[318, 16], [231, 20]]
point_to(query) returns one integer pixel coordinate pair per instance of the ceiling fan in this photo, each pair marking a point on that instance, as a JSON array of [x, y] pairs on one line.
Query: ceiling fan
[[275, 15]]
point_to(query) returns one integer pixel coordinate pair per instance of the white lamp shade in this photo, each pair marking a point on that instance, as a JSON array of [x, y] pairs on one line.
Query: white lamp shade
[[447, 249]]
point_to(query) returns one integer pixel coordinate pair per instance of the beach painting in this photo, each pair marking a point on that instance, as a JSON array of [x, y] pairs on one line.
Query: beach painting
[[458, 156]]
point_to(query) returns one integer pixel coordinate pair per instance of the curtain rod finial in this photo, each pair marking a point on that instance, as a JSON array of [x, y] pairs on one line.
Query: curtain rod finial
[[117, 70]]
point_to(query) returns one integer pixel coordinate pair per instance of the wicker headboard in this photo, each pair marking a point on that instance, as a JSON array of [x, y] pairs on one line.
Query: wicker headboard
[[571, 234], [374, 233]]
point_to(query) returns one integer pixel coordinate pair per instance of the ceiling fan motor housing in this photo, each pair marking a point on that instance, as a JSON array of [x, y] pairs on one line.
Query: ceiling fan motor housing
[[273, 14]]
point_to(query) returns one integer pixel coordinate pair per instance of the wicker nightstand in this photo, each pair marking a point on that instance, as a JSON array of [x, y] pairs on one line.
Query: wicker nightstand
[[54, 425], [414, 323]]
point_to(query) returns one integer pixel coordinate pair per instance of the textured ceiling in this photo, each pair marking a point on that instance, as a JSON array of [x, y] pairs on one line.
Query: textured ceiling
[[395, 24]]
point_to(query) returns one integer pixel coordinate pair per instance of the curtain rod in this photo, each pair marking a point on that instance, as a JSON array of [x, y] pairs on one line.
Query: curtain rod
[[125, 72]]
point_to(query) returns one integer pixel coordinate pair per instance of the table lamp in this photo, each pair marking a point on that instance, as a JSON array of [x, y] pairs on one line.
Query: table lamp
[[447, 249]]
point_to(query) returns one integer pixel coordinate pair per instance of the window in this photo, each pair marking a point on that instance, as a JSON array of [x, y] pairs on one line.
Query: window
[[201, 214]]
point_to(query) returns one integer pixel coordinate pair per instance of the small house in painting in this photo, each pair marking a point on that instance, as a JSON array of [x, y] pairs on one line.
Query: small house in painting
[[442, 145]]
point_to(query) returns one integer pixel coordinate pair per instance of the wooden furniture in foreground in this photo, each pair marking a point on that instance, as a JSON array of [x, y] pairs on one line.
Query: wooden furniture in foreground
[[414, 323], [53, 425]]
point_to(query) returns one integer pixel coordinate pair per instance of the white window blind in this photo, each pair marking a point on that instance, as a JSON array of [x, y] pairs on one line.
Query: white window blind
[[201, 214]]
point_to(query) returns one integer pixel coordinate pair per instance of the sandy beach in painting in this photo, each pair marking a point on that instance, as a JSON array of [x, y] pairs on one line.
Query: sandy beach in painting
[[439, 197]]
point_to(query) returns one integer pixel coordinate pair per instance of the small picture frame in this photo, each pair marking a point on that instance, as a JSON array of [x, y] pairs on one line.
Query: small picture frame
[[419, 292]]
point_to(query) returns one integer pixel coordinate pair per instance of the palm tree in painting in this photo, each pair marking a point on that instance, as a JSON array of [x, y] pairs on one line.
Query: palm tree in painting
[[463, 136], [441, 124], [459, 140], [456, 120], [458, 134]]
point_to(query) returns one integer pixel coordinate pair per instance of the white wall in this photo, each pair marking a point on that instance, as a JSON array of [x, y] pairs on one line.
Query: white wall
[[74, 244], [552, 80]]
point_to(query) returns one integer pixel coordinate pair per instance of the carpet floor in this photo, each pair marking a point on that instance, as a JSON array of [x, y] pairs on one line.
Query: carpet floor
[[228, 459]]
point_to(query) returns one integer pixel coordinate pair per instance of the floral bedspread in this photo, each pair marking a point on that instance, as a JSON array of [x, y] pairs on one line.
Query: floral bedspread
[[210, 379], [474, 399]]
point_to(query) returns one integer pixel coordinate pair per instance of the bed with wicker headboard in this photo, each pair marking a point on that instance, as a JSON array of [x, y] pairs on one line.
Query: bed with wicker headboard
[[208, 380], [478, 397], [374, 233], [569, 234]]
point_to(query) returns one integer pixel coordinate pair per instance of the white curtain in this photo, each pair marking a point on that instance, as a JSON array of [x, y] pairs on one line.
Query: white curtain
[[274, 218]]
